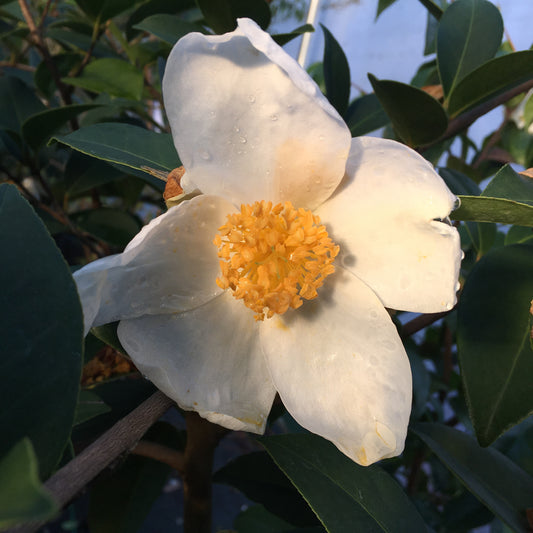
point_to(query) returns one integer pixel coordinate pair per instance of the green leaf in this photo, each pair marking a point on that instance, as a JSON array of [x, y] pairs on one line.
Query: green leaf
[[493, 336], [41, 328], [222, 15], [490, 80], [64, 63], [108, 334], [470, 32], [89, 406], [104, 9], [336, 73], [433, 8], [109, 75], [169, 28], [111, 225], [126, 145], [284, 38], [22, 497], [415, 115], [382, 5], [17, 103], [38, 128], [120, 503], [346, 497], [259, 479], [365, 114], [256, 519], [495, 480], [519, 235], [484, 209], [510, 185]]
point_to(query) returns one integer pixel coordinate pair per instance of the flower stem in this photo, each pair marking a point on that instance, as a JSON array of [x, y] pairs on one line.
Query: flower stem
[[202, 440]]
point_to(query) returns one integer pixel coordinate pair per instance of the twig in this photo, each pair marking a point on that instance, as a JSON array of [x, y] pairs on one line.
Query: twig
[[65, 484], [422, 321], [173, 458]]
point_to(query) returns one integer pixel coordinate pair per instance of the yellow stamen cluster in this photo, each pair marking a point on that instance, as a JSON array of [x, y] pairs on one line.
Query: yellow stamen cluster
[[273, 256]]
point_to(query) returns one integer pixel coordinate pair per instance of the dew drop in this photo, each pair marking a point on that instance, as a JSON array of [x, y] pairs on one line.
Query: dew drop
[[237, 129], [456, 204], [449, 306], [212, 114], [273, 118], [251, 98], [205, 155], [242, 140]]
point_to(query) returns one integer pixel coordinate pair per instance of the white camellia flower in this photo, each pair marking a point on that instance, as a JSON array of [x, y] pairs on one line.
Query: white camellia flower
[[242, 291]]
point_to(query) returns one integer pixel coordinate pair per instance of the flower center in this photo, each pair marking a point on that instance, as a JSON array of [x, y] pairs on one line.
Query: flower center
[[273, 256]]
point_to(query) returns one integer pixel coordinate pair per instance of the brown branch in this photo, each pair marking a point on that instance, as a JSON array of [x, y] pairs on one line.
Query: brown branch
[[39, 43], [422, 321], [173, 458], [463, 121], [67, 482]]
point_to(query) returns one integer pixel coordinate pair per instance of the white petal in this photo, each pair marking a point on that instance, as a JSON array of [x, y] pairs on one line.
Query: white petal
[[207, 359], [341, 370], [171, 265], [248, 123], [382, 216]]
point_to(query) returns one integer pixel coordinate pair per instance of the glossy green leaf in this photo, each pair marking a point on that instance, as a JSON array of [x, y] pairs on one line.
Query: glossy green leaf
[[510, 185], [222, 15], [169, 28], [336, 73], [89, 405], [256, 519], [433, 9], [108, 334], [495, 354], [126, 145], [111, 225], [79, 41], [415, 115], [345, 496], [284, 38], [112, 76], [38, 128], [119, 503], [490, 80], [41, 328], [365, 114], [494, 479], [482, 209], [470, 32], [22, 497], [259, 479], [17, 103], [519, 235], [104, 9], [64, 63]]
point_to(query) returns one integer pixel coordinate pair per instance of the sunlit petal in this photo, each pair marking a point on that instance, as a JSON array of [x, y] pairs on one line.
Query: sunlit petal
[[249, 123], [171, 265], [207, 359], [341, 369], [383, 217]]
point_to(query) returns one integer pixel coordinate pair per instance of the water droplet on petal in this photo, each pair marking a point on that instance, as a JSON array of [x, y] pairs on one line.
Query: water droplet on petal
[[242, 140], [212, 114], [449, 306], [251, 98], [456, 204], [237, 129], [273, 118], [205, 155]]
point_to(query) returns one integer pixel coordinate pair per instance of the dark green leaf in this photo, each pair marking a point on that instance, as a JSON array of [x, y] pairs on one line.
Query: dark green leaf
[[415, 115], [256, 519], [120, 503], [345, 496], [495, 480], [169, 28], [493, 334], [433, 8], [382, 5], [22, 497], [511, 186], [259, 479], [222, 15], [64, 63], [79, 41], [89, 406], [432, 25], [17, 103], [336, 73], [284, 38], [470, 32], [111, 225], [111, 76], [41, 328], [108, 334], [490, 80], [365, 115], [38, 128], [519, 235], [126, 145], [104, 9], [484, 209]]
